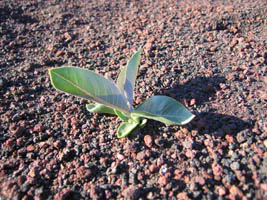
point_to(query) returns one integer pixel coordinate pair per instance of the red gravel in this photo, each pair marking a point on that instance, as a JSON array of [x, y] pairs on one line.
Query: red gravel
[[210, 55]]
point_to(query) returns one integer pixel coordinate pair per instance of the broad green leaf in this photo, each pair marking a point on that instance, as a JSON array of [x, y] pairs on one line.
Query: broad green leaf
[[164, 109], [89, 85], [121, 115], [127, 77], [99, 108], [125, 129]]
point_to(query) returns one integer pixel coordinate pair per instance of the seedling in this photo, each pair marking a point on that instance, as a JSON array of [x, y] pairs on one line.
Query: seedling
[[117, 98]]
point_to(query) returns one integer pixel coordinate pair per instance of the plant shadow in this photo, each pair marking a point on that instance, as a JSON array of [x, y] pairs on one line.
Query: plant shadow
[[203, 89], [200, 88], [17, 14], [219, 125]]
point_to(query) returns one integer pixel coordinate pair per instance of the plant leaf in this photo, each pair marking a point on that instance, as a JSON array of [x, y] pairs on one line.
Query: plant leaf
[[125, 129], [164, 109], [89, 85], [127, 77], [99, 108], [121, 115]]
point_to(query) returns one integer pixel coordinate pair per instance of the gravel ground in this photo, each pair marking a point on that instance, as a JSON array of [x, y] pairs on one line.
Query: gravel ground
[[210, 55]]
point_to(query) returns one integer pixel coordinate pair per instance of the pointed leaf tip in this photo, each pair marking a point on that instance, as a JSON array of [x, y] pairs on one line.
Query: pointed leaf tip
[[127, 76]]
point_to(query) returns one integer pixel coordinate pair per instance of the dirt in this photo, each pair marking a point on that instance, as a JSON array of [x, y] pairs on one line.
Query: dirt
[[209, 55]]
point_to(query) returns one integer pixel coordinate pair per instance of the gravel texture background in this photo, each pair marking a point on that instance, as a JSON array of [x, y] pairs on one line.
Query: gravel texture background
[[210, 55]]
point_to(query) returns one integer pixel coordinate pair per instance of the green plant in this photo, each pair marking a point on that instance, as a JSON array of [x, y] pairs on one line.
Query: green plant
[[117, 98]]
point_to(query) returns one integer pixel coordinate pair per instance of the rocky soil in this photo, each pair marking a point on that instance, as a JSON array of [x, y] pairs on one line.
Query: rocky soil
[[210, 55]]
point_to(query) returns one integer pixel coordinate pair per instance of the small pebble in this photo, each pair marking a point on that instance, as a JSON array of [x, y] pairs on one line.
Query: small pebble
[[120, 156], [188, 143], [235, 166], [152, 168], [141, 155], [132, 192], [148, 141], [217, 169], [16, 130], [162, 180]]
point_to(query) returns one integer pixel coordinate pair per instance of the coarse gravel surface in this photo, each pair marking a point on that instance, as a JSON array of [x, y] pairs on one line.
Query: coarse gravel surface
[[209, 55]]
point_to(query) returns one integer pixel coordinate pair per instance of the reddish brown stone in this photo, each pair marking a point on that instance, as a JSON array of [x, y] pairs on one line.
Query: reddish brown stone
[[263, 186], [120, 156], [30, 148], [192, 102], [162, 180], [190, 153], [200, 180], [148, 141], [153, 168], [132, 192], [221, 191], [9, 143], [182, 196], [16, 130], [229, 138], [217, 169], [141, 155], [34, 171], [235, 192], [83, 173], [38, 128]]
